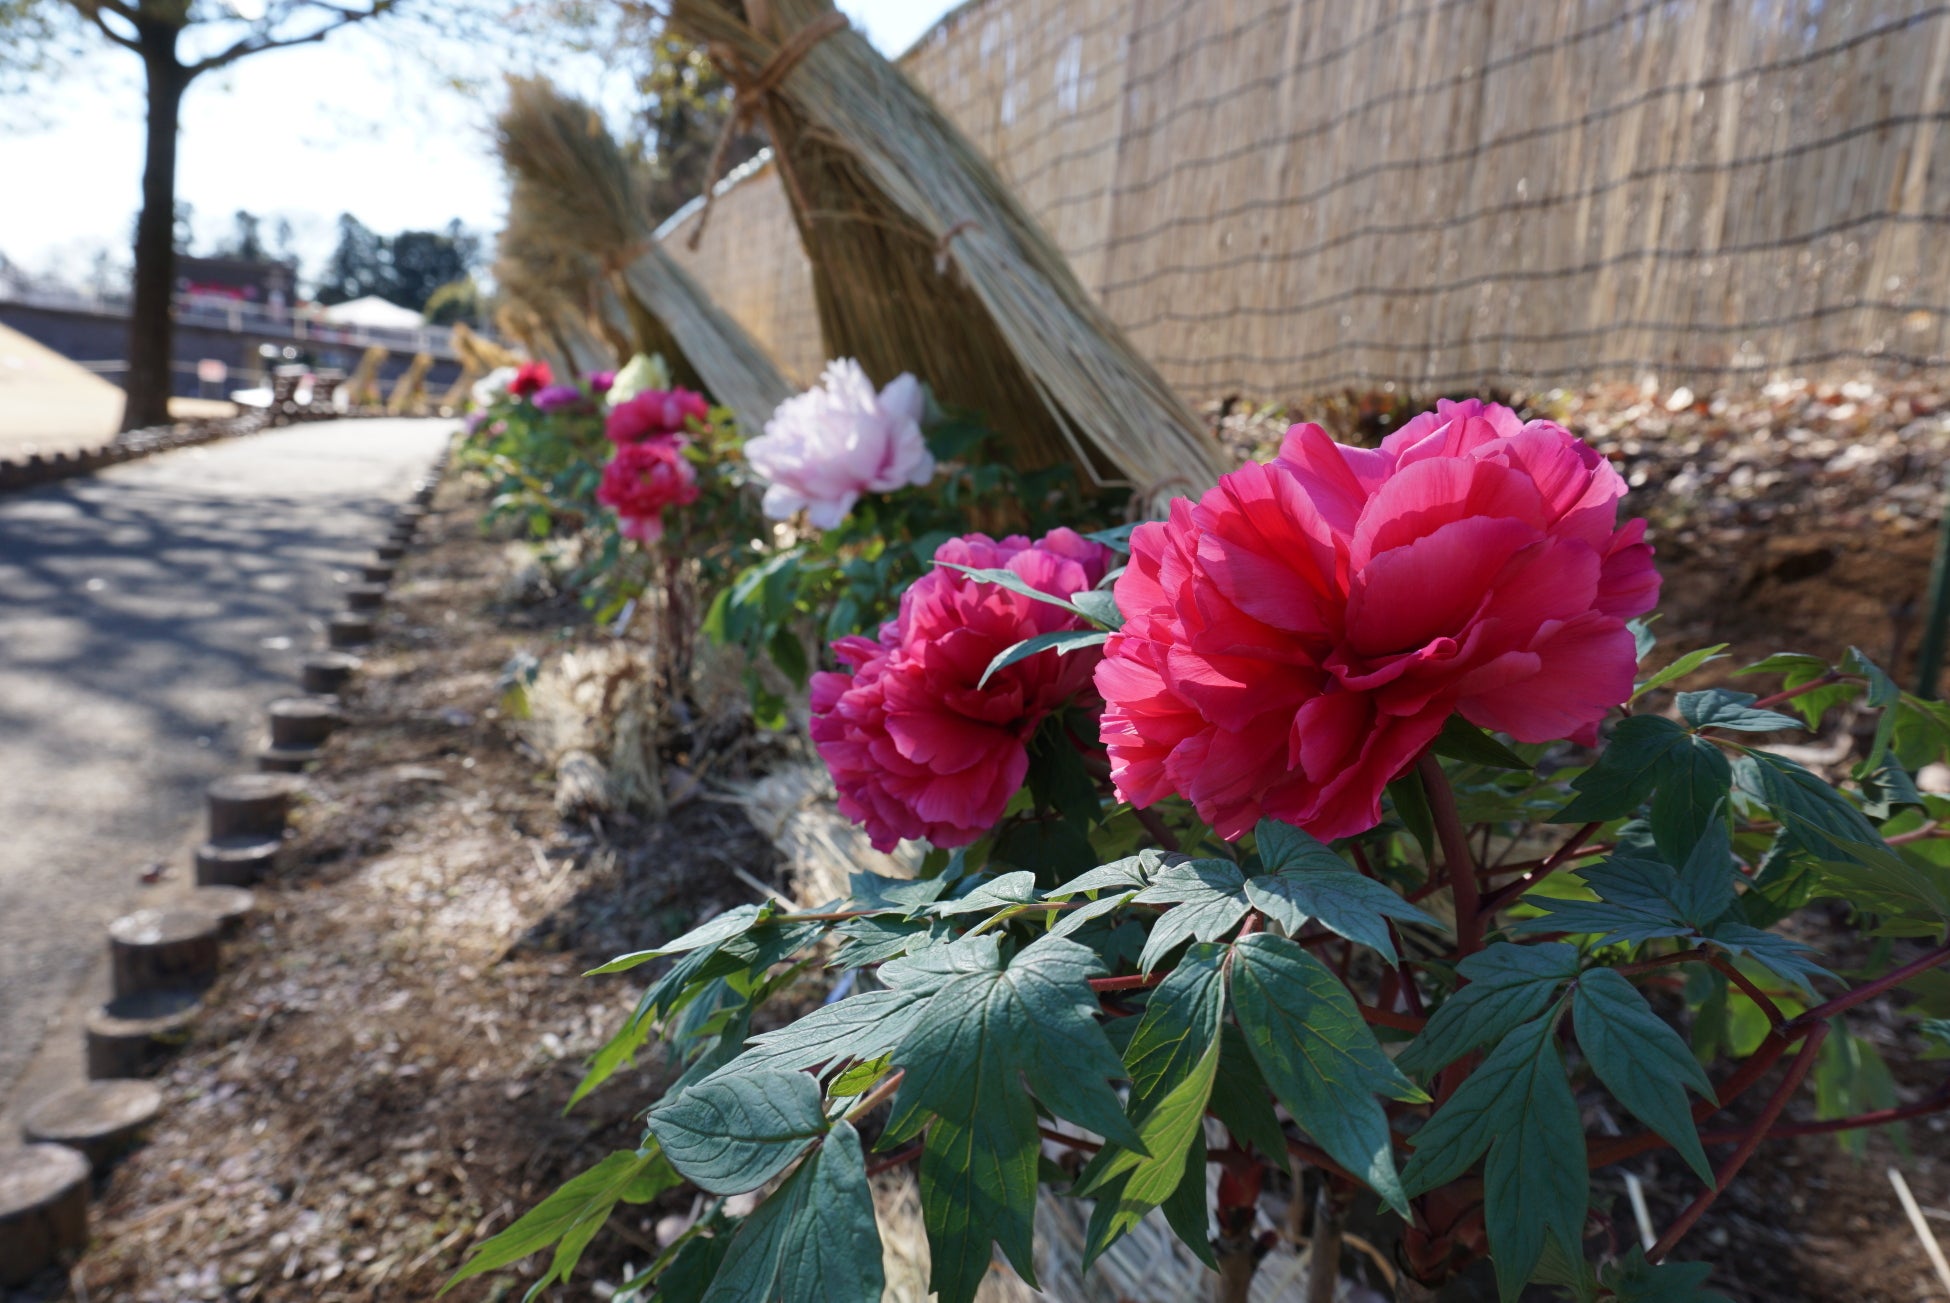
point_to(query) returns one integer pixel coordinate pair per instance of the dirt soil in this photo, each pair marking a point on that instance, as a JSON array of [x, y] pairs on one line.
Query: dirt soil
[[381, 1081], [381, 1078]]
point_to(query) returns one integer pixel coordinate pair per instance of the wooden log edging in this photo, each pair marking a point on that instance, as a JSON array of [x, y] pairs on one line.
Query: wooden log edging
[[43, 1209], [42, 468]]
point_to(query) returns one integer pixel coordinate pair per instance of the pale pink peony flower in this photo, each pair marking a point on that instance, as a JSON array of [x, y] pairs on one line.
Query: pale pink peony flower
[[1298, 637], [824, 448], [916, 749], [644, 478]]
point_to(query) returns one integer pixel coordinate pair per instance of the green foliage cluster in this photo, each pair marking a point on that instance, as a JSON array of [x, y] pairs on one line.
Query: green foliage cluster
[[1157, 1001]]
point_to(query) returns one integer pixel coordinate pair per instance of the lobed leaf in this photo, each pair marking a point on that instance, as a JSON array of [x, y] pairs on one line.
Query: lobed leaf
[[732, 1133], [1508, 986], [1319, 1057], [1642, 1061], [1208, 899], [814, 1238], [1735, 711]]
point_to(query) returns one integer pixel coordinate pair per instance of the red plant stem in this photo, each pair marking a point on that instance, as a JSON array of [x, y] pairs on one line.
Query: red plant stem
[[1399, 1021], [1410, 991], [1074, 1142], [1870, 990], [1151, 823], [1455, 853], [877, 1096], [1767, 1006], [1527, 866], [1572, 849], [1646, 965], [1928, 830], [1307, 1154], [895, 1159], [1756, 1066], [1802, 691], [1796, 1073], [1134, 982]]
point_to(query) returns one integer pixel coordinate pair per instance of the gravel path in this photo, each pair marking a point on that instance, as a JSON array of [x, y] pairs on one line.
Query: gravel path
[[146, 615]]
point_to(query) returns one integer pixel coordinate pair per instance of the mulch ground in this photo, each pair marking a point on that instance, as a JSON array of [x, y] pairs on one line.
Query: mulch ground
[[381, 1079]]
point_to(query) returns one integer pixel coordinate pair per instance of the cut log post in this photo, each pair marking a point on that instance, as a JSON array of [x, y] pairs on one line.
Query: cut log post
[[327, 672], [102, 1120], [287, 760], [364, 597], [377, 572], [230, 906], [389, 551], [43, 1209], [134, 1035], [161, 950], [302, 721], [249, 805], [349, 630], [236, 861]]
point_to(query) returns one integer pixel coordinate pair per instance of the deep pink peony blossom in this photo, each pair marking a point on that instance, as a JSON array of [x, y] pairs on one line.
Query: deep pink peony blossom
[[644, 478], [1296, 639], [916, 749], [600, 381], [529, 378], [653, 414]]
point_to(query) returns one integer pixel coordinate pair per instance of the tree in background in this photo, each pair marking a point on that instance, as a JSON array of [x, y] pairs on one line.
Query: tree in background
[[245, 240], [409, 269], [178, 41]]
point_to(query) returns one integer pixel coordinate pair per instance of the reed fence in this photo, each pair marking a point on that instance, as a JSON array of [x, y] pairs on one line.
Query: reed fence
[[1276, 197]]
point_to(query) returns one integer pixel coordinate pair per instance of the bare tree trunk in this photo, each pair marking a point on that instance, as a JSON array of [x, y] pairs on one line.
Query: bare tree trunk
[[150, 325]]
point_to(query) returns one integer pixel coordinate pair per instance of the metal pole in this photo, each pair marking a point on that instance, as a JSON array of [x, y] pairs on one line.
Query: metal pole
[[1929, 657]]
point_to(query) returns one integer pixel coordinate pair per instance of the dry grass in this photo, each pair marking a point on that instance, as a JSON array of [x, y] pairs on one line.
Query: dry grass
[[575, 190]]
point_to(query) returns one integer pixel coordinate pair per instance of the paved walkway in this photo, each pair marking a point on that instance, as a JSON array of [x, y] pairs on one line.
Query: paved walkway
[[146, 615]]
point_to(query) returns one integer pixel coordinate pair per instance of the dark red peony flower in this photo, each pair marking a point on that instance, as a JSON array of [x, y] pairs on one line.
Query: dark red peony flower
[[531, 377], [654, 413], [916, 748], [644, 478]]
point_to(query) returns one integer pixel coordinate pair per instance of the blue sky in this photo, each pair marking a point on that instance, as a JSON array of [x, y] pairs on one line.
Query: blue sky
[[353, 124]]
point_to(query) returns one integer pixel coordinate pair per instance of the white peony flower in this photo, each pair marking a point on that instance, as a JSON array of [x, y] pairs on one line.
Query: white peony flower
[[824, 448]]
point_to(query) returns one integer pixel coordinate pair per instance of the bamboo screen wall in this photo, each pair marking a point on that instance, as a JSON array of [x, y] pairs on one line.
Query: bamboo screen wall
[[1280, 196]]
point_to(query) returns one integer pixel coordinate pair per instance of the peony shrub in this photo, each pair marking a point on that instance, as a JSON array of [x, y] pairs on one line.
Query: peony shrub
[[1418, 884]]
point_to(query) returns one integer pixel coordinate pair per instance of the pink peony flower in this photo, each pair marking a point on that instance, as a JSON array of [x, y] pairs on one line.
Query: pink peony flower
[[1296, 639], [653, 414], [824, 448], [916, 749], [644, 478], [600, 381], [530, 377]]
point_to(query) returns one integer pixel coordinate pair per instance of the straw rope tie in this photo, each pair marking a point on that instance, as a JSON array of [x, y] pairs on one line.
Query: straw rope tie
[[941, 249], [751, 92]]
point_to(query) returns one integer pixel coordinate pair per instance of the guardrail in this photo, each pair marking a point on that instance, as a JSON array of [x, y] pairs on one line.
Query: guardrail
[[253, 318]]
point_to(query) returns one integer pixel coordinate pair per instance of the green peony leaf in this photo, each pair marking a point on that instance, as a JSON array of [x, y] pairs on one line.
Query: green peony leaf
[[1642, 1060], [1173, 1060], [1208, 899], [1462, 740], [1679, 669], [732, 1133], [814, 1238], [1518, 1106], [1638, 754], [987, 1030], [1693, 785], [1319, 1057], [1735, 711], [1062, 642], [1508, 986]]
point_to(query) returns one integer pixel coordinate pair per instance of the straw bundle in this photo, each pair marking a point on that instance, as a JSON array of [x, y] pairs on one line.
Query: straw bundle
[[478, 351], [888, 194], [575, 180]]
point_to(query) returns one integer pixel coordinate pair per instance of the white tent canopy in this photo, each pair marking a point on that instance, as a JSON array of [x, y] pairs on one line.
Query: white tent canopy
[[375, 313]]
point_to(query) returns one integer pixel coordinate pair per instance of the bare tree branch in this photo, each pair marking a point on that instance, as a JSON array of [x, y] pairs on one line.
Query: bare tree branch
[[259, 41]]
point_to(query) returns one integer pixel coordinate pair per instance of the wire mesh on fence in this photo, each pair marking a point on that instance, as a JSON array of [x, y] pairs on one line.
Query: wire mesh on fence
[[1275, 197]]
